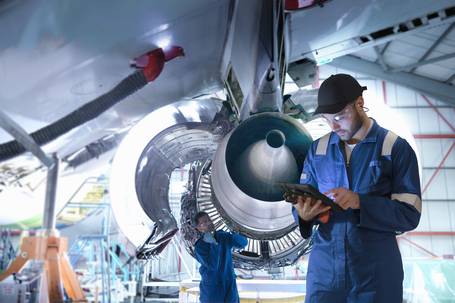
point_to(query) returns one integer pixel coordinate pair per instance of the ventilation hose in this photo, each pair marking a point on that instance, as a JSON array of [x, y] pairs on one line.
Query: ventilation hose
[[87, 112], [150, 68]]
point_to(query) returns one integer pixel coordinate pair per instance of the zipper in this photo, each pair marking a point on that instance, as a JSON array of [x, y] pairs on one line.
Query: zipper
[[346, 161]]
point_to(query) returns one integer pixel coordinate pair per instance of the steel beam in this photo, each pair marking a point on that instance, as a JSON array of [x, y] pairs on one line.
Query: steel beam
[[49, 216], [420, 106], [434, 136], [430, 233], [386, 45], [435, 44], [353, 45], [438, 90], [450, 79], [380, 58], [52, 164], [424, 62], [438, 169], [418, 246], [18, 133], [439, 113], [384, 91], [434, 167]]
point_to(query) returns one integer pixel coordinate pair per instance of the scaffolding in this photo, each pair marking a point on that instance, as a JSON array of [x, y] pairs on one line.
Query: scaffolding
[[105, 268], [7, 251]]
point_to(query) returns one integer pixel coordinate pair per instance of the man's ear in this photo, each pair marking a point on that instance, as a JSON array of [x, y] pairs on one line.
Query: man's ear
[[359, 103]]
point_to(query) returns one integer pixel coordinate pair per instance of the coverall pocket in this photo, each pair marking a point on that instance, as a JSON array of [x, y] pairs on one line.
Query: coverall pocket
[[380, 170], [377, 180], [321, 268]]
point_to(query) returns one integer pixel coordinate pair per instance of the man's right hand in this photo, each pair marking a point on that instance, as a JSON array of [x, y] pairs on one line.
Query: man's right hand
[[309, 208]]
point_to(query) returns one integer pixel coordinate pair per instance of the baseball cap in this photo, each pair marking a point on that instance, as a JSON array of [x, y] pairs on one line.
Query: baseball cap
[[336, 92]]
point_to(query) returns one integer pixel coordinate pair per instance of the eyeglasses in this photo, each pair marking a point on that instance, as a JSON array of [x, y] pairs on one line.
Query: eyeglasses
[[338, 117]]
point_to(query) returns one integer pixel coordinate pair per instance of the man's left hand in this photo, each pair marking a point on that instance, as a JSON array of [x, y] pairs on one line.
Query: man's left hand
[[209, 238], [345, 198]]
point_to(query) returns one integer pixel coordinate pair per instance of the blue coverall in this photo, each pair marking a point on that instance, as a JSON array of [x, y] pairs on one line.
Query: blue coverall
[[217, 273], [355, 256]]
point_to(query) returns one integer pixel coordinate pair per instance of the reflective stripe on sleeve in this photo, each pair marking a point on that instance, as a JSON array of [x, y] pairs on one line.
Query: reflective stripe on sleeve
[[322, 145], [411, 199], [387, 145]]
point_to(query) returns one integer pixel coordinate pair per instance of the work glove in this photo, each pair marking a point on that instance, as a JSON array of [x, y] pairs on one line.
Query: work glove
[[324, 217], [209, 238]]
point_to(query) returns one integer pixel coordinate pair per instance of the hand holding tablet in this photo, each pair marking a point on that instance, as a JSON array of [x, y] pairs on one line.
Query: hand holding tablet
[[308, 190]]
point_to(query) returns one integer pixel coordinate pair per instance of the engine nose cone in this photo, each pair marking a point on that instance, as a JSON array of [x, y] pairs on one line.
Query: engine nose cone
[[263, 164], [275, 138], [264, 149]]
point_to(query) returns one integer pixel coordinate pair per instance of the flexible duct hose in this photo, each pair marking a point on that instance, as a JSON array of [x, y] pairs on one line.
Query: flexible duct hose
[[150, 66], [87, 112]]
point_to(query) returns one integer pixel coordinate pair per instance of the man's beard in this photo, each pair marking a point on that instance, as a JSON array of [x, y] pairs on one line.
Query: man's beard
[[354, 129]]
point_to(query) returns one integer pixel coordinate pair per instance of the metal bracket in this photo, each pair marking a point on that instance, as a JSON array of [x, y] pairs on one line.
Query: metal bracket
[[18, 133], [52, 162]]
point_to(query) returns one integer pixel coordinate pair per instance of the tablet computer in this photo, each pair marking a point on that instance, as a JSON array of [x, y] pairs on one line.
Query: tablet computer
[[308, 190]]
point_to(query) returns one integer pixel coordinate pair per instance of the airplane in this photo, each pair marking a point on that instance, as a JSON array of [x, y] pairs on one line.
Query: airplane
[[151, 86]]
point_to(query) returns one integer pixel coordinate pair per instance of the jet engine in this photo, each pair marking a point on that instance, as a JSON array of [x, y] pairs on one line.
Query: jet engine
[[232, 176]]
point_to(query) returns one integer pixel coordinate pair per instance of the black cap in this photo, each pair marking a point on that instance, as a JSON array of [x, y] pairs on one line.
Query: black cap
[[336, 92]]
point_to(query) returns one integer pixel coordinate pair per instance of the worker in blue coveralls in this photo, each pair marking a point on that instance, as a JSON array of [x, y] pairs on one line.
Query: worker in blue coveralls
[[373, 175], [214, 252]]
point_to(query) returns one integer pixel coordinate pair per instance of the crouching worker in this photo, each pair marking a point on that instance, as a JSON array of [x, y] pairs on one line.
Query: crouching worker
[[214, 252]]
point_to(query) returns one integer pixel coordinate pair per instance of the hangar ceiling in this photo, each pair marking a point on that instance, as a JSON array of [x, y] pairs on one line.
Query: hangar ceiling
[[418, 53]]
